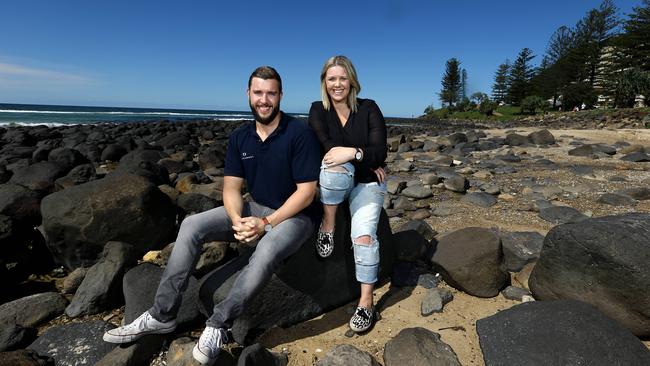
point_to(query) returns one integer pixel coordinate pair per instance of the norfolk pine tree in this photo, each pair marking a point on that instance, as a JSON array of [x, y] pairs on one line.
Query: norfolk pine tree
[[501, 85], [521, 73], [451, 83]]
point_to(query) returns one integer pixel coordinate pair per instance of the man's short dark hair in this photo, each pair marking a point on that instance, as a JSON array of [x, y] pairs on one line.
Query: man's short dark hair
[[266, 73]]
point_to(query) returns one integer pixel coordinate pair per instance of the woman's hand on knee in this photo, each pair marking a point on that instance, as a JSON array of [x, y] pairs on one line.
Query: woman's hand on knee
[[339, 155]]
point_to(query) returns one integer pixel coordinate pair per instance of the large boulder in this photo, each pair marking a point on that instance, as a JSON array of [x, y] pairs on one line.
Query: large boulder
[[514, 139], [305, 286], [543, 137], [470, 259], [19, 203], [66, 158], [520, 248], [80, 220], [418, 346], [78, 175], [32, 310], [39, 176], [602, 261], [557, 333], [145, 164], [174, 139], [101, 288], [140, 284], [74, 343]]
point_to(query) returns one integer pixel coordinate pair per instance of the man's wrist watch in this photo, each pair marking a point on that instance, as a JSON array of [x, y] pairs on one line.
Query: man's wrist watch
[[267, 225], [358, 156]]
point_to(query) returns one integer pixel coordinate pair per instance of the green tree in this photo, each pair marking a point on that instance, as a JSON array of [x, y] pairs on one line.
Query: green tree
[[592, 34], [560, 44], [479, 98], [501, 84], [451, 83], [631, 83], [636, 39], [575, 94], [521, 74]]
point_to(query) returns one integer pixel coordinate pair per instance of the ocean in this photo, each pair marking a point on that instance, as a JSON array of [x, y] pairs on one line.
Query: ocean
[[59, 115]]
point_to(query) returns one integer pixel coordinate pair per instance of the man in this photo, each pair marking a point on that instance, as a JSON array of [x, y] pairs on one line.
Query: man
[[279, 159]]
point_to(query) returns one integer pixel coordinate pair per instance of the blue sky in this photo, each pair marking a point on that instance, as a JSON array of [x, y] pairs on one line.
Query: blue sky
[[199, 54]]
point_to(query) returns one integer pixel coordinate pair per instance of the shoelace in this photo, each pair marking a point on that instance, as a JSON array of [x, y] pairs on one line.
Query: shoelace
[[212, 339]]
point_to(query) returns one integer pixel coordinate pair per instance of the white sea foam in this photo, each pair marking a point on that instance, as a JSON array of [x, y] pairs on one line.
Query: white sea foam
[[127, 113], [34, 124]]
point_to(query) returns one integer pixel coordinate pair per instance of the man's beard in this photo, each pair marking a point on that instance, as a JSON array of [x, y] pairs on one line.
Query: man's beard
[[265, 120]]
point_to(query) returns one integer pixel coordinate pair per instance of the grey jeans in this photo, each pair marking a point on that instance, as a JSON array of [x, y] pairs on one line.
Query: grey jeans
[[275, 246]]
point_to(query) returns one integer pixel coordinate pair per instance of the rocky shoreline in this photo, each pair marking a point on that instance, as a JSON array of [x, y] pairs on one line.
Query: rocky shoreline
[[509, 215]]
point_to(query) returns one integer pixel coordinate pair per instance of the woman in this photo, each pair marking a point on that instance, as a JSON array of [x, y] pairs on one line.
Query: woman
[[352, 132]]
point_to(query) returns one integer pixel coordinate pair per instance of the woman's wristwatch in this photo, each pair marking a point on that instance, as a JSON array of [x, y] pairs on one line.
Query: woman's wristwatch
[[358, 156]]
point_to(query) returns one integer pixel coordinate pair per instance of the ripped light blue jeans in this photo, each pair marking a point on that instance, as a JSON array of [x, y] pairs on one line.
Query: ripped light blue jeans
[[366, 201]]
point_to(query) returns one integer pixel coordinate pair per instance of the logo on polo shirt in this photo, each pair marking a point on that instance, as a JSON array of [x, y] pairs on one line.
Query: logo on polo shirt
[[245, 156]]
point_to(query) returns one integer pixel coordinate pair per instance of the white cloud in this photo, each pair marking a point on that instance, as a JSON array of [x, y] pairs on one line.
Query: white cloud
[[18, 72]]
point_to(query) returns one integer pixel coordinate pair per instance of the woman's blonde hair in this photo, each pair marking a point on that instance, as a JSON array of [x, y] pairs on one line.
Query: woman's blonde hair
[[355, 87]]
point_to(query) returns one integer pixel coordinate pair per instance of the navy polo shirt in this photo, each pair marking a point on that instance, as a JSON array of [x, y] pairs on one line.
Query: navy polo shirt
[[272, 168]]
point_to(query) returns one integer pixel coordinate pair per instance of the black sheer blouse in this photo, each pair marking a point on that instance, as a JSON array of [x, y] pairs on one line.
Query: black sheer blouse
[[365, 129]]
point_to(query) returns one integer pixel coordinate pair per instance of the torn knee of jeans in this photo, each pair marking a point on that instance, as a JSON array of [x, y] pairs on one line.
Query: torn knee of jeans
[[363, 240]]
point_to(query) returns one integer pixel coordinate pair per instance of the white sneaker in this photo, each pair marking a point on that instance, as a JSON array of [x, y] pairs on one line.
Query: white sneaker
[[207, 348], [143, 325]]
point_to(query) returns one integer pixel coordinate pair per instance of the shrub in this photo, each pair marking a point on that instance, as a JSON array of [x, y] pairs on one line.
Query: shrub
[[488, 107], [532, 103], [630, 83]]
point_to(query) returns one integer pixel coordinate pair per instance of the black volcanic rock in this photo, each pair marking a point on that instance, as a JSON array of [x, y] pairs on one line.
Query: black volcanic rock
[[557, 333], [145, 164], [617, 199], [113, 152], [39, 176], [418, 346], [78, 175], [101, 288], [481, 199], [344, 355], [561, 214], [66, 158], [74, 343], [514, 139], [543, 137], [140, 284], [304, 286], [602, 261], [32, 310], [469, 259], [636, 157], [15, 336], [20, 203], [80, 220], [25, 357]]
